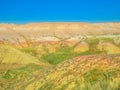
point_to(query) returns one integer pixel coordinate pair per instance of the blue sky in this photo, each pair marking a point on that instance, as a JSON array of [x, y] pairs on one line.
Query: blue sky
[[25, 11]]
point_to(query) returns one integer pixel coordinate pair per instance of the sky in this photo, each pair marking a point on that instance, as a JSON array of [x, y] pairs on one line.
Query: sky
[[27, 11]]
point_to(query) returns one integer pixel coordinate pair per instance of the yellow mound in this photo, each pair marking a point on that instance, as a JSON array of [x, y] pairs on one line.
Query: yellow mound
[[110, 48], [11, 55]]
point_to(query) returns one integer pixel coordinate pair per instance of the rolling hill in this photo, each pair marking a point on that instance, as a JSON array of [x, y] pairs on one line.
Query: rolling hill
[[82, 72]]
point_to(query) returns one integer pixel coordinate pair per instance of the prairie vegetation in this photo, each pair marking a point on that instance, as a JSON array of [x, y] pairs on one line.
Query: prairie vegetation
[[91, 62]]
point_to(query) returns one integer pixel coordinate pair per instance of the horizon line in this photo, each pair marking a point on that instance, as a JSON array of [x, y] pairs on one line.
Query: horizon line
[[59, 22]]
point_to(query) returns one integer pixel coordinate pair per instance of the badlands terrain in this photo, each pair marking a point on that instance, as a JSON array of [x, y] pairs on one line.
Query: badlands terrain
[[60, 56], [36, 31]]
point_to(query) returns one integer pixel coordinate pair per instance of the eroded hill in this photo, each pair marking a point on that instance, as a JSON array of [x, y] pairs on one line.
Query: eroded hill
[[13, 32]]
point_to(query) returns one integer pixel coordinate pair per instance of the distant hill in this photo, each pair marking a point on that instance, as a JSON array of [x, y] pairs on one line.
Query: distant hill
[[11, 32]]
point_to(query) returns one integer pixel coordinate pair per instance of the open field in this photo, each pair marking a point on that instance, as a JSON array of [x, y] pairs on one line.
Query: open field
[[47, 60]]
